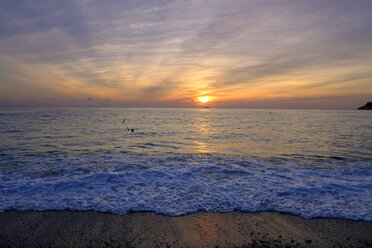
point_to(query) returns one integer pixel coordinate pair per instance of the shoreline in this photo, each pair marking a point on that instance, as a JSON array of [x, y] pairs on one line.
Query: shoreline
[[147, 229]]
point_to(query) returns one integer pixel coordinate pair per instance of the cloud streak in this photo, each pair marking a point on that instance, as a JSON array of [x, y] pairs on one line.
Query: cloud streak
[[141, 52]]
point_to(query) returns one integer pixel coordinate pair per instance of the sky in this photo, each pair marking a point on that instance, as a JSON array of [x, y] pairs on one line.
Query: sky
[[244, 54]]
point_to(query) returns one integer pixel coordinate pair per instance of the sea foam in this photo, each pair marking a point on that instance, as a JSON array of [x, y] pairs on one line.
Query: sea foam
[[178, 184]]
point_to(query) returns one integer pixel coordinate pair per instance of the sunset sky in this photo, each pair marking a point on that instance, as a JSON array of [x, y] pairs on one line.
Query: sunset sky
[[249, 53]]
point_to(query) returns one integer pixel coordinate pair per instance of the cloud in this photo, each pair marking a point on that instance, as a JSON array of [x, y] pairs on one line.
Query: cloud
[[177, 50], [282, 42]]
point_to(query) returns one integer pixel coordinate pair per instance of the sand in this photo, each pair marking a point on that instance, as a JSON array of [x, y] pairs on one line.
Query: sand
[[147, 229]]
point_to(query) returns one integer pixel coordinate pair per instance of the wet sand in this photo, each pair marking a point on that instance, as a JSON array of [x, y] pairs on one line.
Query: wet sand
[[147, 229]]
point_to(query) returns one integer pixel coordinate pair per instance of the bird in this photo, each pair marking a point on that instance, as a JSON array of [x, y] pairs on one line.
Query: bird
[[128, 129]]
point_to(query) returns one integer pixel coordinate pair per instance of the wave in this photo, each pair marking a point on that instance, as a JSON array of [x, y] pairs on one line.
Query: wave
[[178, 184]]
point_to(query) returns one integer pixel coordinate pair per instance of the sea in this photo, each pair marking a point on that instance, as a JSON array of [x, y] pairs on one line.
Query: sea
[[312, 163]]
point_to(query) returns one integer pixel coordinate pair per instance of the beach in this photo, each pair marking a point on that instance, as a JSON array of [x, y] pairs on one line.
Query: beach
[[201, 229]]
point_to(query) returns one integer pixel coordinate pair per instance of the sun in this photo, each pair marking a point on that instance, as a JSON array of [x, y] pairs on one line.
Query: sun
[[203, 99]]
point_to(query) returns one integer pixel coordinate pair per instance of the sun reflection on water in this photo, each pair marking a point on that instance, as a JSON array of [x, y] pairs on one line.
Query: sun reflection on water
[[204, 130]]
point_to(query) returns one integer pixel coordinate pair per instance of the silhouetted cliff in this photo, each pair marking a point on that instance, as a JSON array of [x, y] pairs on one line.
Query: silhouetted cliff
[[368, 106]]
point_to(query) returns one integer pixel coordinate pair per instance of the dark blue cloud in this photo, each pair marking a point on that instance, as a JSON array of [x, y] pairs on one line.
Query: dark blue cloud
[[22, 17]]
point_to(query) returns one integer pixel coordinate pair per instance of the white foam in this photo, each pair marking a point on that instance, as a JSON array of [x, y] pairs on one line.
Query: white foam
[[181, 184]]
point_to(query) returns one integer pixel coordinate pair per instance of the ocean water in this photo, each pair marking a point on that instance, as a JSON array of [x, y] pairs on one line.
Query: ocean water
[[313, 163]]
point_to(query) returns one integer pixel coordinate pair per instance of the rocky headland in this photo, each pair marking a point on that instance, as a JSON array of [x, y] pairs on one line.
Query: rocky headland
[[367, 106]]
